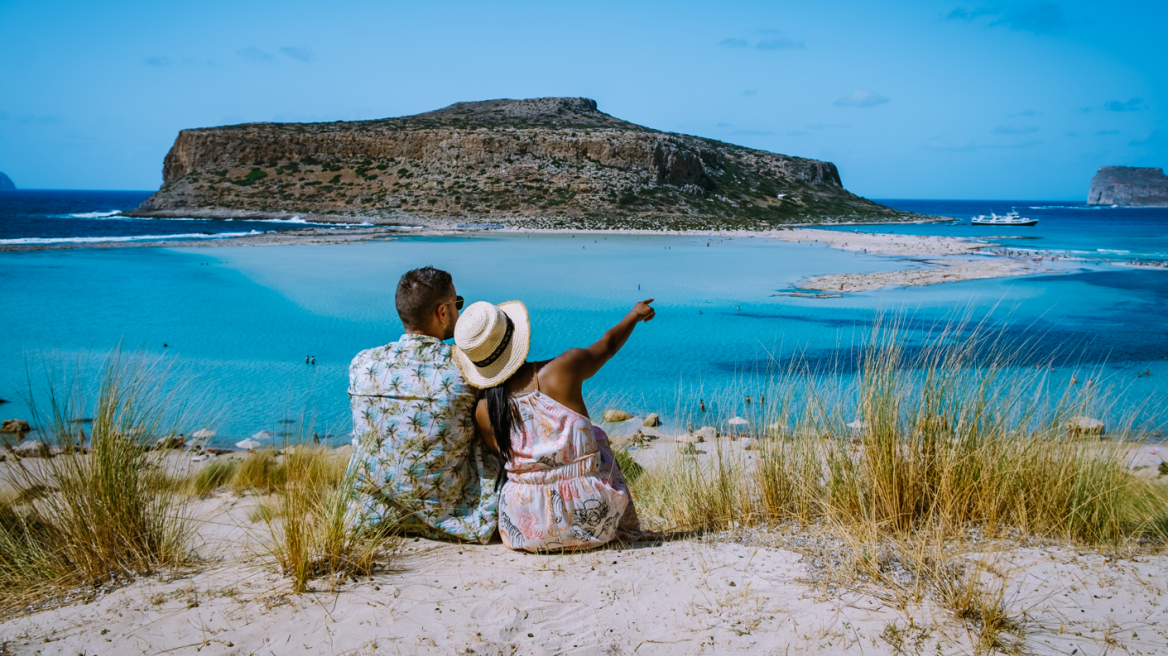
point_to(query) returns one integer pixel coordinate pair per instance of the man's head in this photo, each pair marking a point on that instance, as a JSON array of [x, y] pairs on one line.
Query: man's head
[[426, 302]]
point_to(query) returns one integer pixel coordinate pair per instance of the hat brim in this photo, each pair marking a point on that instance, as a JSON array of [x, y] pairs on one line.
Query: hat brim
[[512, 358]]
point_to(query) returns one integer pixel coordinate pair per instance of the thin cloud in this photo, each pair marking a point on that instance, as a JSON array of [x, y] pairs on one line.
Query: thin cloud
[[171, 61], [778, 44], [254, 54], [1133, 105], [1103, 133], [861, 99], [1015, 129], [1041, 17], [734, 43], [968, 16], [960, 146], [299, 54], [1144, 139], [1037, 18], [1029, 143]]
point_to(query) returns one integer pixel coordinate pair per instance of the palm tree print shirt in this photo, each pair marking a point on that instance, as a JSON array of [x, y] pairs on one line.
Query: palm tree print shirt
[[417, 461]]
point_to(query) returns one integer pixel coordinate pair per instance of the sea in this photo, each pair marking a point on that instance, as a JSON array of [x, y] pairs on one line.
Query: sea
[[232, 327]]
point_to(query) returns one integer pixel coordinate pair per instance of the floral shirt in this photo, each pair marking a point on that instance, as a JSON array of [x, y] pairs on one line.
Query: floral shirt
[[417, 461]]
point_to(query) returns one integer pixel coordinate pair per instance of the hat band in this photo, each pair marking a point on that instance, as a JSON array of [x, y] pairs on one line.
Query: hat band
[[498, 352]]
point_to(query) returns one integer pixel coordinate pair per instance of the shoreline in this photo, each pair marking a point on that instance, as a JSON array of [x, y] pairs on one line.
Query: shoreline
[[947, 259]]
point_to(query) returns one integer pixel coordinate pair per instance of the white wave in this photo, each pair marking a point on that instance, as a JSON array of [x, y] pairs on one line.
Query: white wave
[[97, 240], [1073, 207], [89, 215], [1112, 250]]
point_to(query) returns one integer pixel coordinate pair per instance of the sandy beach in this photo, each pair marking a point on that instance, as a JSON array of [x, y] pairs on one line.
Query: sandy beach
[[769, 590]]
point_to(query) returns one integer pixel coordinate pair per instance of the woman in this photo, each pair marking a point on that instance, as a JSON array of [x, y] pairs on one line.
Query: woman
[[564, 490]]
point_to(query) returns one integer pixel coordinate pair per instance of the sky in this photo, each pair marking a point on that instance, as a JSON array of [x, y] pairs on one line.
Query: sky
[[921, 99]]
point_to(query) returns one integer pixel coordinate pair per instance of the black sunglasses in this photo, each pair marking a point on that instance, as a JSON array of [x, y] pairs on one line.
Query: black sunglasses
[[459, 302]]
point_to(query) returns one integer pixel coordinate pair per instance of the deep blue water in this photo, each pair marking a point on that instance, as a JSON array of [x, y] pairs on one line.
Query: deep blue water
[[238, 322], [1074, 228], [34, 216]]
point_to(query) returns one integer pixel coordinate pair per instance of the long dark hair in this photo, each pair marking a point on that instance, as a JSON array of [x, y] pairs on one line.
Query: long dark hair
[[502, 412]]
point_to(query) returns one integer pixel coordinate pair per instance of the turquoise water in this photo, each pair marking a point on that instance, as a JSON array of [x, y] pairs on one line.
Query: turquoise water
[[238, 322]]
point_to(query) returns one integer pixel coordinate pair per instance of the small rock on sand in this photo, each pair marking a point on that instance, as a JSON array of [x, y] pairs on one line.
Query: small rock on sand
[[651, 420], [706, 432], [689, 439], [14, 426], [32, 449], [1085, 426], [613, 416]]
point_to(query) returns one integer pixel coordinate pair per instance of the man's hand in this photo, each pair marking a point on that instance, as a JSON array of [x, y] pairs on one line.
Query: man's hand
[[643, 311]]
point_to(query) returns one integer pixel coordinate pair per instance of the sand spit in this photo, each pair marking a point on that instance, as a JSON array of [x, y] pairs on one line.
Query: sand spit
[[731, 593], [943, 271], [954, 269]]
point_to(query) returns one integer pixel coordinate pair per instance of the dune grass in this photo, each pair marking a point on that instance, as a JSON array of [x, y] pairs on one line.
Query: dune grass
[[100, 512], [313, 533], [959, 432]]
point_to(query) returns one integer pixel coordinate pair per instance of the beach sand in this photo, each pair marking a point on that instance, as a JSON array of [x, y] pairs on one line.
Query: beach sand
[[741, 591]]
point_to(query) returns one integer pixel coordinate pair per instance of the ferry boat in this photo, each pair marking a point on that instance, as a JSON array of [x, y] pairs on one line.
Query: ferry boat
[[1011, 219]]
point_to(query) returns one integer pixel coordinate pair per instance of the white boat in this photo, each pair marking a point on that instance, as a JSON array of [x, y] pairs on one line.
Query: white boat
[[1011, 219]]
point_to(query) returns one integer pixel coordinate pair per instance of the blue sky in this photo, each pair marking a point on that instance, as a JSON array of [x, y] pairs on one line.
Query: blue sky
[[926, 99]]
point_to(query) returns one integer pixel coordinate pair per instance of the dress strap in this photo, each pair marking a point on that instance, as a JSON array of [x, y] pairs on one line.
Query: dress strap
[[535, 373]]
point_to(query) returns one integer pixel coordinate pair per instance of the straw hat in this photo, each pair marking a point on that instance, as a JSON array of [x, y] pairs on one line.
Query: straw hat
[[491, 342]]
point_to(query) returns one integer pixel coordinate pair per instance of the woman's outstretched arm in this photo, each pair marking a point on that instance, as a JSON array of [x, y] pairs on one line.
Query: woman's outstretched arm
[[586, 362]]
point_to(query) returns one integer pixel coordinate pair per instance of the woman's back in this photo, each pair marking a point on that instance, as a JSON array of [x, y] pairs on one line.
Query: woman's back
[[563, 491], [564, 488]]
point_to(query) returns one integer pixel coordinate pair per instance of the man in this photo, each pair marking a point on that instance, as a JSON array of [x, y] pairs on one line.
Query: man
[[417, 462]]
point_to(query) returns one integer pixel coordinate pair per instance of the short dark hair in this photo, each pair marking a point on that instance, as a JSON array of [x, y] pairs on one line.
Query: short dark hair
[[419, 292]]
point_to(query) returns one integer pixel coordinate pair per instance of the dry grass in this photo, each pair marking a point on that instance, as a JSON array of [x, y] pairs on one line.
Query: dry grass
[[961, 435], [956, 435], [313, 533], [102, 514]]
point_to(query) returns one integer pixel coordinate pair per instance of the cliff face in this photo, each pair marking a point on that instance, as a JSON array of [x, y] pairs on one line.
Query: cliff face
[[6, 183], [556, 160], [1129, 186]]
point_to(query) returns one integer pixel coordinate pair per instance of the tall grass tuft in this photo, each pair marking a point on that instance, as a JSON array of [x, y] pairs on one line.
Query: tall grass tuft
[[99, 511], [313, 534], [958, 430]]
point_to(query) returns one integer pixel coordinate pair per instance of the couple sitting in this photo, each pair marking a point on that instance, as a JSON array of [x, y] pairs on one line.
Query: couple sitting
[[437, 428]]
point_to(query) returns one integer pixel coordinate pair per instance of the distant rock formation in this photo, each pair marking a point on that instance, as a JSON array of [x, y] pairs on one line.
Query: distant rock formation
[[542, 162], [6, 183], [1129, 186]]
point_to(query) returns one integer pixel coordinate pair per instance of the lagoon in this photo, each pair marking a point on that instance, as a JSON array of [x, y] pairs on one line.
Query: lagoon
[[238, 322]]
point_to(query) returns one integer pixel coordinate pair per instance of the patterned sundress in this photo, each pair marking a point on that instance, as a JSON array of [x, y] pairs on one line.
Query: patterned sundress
[[564, 489]]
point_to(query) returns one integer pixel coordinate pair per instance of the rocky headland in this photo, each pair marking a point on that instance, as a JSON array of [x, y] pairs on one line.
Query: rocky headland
[[1129, 186], [538, 163], [6, 183]]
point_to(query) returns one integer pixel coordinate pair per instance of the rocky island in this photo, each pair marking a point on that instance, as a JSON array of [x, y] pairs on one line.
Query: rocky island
[[6, 183], [537, 163], [1129, 186]]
